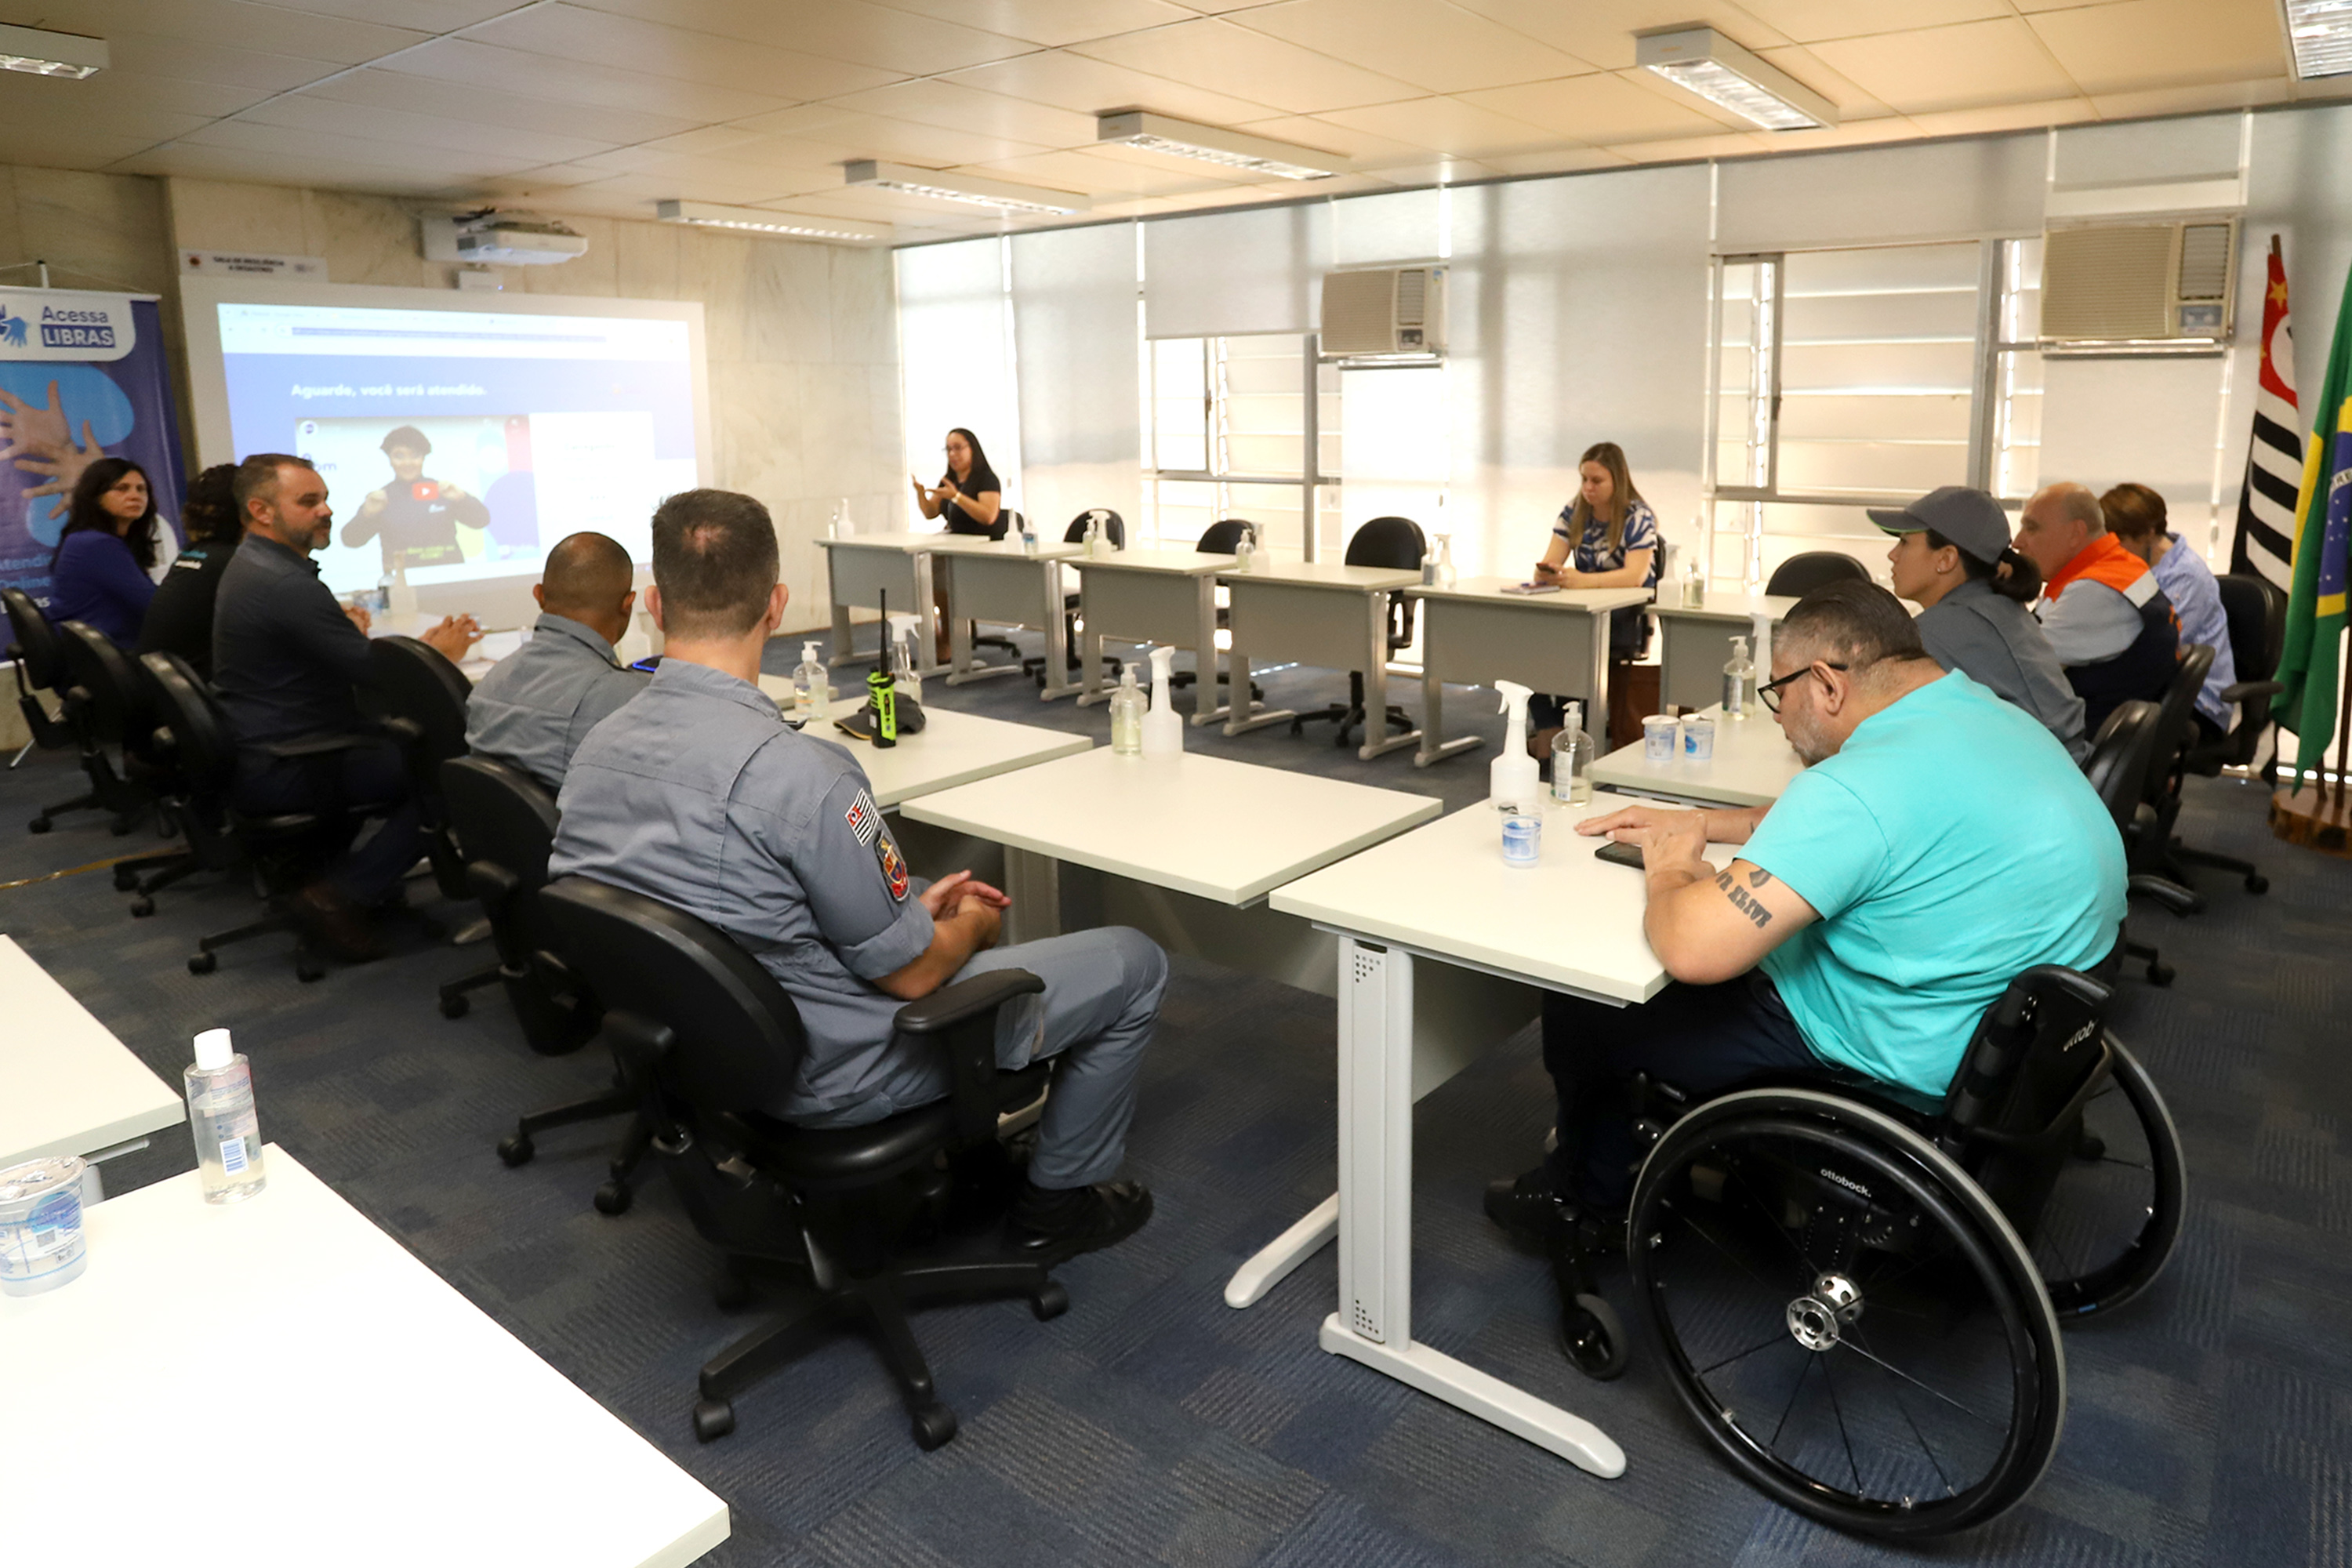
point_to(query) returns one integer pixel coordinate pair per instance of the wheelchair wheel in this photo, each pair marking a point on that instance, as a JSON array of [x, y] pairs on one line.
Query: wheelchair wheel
[[1856, 1329], [2114, 1216]]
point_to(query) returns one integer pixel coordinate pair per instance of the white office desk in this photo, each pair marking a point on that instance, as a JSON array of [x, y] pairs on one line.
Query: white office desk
[[276, 1383], [1474, 634], [1694, 645], [1331, 616], [1000, 582], [954, 748], [1753, 762], [1185, 848], [1570, 923], [71, 1087], [863, 569], [1167, 597]]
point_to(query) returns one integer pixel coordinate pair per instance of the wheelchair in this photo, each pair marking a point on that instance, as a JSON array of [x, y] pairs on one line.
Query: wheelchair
[[1858, 1300]]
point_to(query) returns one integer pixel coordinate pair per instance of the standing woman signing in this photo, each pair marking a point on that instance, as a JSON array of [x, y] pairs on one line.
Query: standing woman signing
[[968, 494], [1606, 538], [100, 573]]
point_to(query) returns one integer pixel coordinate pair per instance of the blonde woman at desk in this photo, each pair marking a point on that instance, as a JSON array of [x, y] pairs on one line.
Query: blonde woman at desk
[[1606, 538]]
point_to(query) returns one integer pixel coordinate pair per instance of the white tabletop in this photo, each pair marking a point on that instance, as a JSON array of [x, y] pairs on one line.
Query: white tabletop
[[1325, 575], [1724, 606], [278, 1385], [1207, 826], [1009, 547], [952, 749], [1753, 762], [1179, 562], [70, 1087], [1570, 922], [1590, 601]]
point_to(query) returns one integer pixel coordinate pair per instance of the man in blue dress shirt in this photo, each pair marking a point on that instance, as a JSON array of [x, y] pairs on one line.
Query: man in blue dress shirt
[[538, 703]]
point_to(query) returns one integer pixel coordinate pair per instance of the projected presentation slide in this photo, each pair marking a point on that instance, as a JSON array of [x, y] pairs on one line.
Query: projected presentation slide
[[460, 445]]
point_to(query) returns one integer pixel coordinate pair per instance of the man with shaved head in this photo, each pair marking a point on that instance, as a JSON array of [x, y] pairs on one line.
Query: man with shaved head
[[536, 707], [2107, 619]]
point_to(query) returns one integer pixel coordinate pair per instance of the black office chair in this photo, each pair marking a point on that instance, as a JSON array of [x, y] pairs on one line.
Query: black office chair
[[2122, 755], [1801, 575], [1393, 541], [419, 697], [1114, 529], [712, 1046], [39, 651], [113, 705], [1219, 539], [281, 851], [2256, 610]]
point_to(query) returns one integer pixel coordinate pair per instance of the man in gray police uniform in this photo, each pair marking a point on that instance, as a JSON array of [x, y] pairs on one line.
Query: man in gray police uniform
[[540, 703], [698, 795]]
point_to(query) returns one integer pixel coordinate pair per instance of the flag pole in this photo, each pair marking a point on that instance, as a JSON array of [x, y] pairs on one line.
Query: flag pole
[[2343, 737]]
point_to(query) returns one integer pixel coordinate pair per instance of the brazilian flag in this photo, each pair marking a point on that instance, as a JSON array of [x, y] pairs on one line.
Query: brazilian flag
[[2322, 532]]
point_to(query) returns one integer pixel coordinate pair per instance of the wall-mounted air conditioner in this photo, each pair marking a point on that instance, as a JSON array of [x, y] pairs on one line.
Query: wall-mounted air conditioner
[[2161, 287], [1389, 313]]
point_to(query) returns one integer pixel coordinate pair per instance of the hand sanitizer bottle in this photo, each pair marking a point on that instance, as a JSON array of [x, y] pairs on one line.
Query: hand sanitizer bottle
[[1163, 732], [903, 674], [1571, 760], [1127, 715], [220, 1114], [1739, 681], [811, 686], [1445, 566], [1246, 550], [1429, 565], [1694, 581]]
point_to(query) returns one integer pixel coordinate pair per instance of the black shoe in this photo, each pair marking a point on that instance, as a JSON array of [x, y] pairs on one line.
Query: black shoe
[[1053, 1226], [1529, 1207]]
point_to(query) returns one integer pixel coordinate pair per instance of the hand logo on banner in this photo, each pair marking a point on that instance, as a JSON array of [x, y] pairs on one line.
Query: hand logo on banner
[[41, 437], [42, 443]]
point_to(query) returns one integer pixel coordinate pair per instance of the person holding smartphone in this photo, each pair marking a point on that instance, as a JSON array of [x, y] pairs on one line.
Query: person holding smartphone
[[1606, 538]]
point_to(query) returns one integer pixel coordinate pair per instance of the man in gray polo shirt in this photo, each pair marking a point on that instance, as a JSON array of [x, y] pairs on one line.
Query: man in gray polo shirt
[[540, 703], [698, 795], [1952, 558]]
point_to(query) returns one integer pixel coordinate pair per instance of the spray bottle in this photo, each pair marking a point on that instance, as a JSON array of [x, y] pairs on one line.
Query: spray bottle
[[1511, 778], [1163, 732], [811, 686], [903, 673]]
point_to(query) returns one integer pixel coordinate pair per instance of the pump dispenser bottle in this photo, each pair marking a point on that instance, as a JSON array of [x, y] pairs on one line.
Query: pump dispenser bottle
[[1163, 732], [908, 681], [1739, 681], [811, 686], [220, 1114], [1512, 778], [1127, 715]]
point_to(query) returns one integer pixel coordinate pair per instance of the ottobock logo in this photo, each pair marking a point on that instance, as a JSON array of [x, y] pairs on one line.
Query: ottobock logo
[[1848, 1183]]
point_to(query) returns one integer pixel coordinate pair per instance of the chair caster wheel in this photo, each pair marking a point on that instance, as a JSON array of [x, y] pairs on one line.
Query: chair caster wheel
[[516, 1148], [454, 1006], [306, 971], [1594, 1338], [713, 1419], [731, 1294], [204, 963], [38, 825], [2258, 883], [141, 907], [934, 1426], [613, 1198], [2159, 974], [1050, 1301]]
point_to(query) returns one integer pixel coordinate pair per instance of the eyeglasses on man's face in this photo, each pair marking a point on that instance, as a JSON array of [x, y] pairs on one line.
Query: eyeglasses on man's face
[[1770, 690]]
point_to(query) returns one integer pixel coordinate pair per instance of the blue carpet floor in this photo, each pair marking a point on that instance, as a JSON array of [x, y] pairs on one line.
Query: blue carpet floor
[[2209, 1423]]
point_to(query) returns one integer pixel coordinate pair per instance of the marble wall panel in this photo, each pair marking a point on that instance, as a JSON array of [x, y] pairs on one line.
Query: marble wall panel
[[647, 257], [225, 214], [864, 305], [368, 239], [96, 231], [788, 300]]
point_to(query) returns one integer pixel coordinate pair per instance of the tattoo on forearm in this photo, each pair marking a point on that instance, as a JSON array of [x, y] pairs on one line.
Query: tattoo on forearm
[[1742, 899]]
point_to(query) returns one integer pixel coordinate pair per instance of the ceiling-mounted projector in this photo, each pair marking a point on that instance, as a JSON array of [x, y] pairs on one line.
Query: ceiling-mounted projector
[[493, 239]]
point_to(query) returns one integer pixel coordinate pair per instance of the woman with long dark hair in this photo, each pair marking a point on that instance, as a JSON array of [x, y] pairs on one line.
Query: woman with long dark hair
[[99, 572], [968, 494]]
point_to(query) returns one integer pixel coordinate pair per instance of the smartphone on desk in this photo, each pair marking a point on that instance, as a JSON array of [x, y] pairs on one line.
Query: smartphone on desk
[[1618, 854], [1529, 590]]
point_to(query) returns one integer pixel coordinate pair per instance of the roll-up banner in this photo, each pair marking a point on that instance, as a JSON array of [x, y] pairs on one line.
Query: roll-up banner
[[83, 376]]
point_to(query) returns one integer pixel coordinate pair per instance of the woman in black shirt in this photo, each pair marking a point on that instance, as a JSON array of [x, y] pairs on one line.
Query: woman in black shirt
[[180, 616], [968, 495]]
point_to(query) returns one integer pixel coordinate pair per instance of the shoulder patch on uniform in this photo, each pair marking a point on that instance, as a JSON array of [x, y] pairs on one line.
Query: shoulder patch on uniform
[[893, 866], [864, 819]]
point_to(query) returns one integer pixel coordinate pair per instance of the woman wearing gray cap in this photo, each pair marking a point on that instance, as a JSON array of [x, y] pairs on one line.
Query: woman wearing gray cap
[[1952, 558]]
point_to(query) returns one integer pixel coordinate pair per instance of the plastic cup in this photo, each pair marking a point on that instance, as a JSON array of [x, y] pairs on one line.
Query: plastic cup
[[1522, 838], [1661, 736], [1698, 740]]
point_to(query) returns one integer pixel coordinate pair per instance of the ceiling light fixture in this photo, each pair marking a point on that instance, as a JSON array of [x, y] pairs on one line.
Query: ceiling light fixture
[[760, 220], [37, 51], [1233, 149], [1702, 60], [2321, 34], [970, 189]]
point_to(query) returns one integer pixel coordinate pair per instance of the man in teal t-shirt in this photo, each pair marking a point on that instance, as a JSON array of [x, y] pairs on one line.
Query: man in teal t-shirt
[[1938, 843]]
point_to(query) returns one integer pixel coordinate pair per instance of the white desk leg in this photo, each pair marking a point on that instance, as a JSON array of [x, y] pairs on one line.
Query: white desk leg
[[927, 626], [1600, 704], [1034, 883], [1270, 1265], [1057, 637], [1206, 708], [1433, 724], [1374, 1322]]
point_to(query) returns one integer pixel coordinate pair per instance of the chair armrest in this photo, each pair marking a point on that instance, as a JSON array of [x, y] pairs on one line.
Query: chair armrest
[[2170, 895], [310, 746], [491, 884], [2247, 690], [962, 1018]]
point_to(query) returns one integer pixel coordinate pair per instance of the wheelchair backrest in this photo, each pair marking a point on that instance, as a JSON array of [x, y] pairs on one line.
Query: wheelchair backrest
[[2037, 1051]]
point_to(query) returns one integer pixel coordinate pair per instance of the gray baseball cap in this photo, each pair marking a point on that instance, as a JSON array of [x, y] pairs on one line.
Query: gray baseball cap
[[1969, 519]]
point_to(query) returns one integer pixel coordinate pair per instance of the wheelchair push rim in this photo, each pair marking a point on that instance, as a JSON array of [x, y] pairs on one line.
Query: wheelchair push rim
[[1856, 1329]]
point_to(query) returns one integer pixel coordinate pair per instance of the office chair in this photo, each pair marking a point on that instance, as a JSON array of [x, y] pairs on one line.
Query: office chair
[[1219, 539], [113, 703], [1114, 529], [419, 698], [281, 851], [1394, 541], [1801, 575], [40, 659], [712, 1046], [2122, 754], [2256, 611], [1008, 521]]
